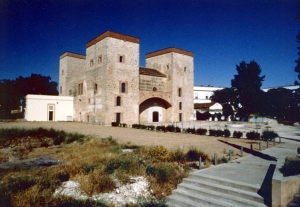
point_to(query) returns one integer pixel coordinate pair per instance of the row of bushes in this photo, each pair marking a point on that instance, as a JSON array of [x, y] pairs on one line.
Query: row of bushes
[[266, 135]]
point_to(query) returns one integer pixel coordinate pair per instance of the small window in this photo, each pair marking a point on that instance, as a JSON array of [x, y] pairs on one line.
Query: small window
[[95, 87], [168, 66], [80, 88], [118, 101], [62, 72], [180, 105], [179, 92], [154, 89], [70, 92], [206, 97], [180, 116], [123, 87], [121, 59], [99, 59], [60, 89], [89, 100], [91, 63], [196, 96], [184, 69]]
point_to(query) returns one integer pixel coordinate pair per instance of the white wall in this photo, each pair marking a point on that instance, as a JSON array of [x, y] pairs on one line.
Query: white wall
[[37, 108], [202, 94]]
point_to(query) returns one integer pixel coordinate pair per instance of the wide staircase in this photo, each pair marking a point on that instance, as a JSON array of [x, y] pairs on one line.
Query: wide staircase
[[201, 189]]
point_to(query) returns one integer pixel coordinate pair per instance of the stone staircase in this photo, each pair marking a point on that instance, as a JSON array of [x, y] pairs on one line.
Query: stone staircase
[[296, 201], [200, 189]]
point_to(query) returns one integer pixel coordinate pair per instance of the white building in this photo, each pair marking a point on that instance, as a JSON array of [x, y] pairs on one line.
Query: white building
[[292, 87], [202, 94], [49, 108], [202, 102]]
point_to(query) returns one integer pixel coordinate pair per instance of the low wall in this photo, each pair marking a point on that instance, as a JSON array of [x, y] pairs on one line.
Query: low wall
[[283, 188]]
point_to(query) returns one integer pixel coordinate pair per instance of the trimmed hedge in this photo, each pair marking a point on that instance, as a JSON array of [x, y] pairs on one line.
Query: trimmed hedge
[[253, 135], [268, 135]]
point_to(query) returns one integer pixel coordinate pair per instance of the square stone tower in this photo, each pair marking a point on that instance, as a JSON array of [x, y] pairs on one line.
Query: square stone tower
[[178, 66], [105, 84]]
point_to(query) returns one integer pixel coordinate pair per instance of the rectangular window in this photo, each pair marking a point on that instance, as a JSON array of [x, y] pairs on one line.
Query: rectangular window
[[99, 59], [180, 116], [95, 88], [179, 92], [121, 58], [91, 63], [60, 89], [80, 88]]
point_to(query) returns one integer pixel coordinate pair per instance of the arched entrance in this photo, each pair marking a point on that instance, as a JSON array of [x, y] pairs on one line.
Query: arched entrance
[[154, 110]]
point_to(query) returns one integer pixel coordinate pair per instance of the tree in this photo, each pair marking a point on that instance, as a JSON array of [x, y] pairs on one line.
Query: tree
[[14, 91], [247, 83]]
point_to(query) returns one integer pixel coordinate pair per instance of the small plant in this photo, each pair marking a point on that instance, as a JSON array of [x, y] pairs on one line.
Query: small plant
[[211, 132], [227, 133], [170, 128], [178, 156], [201, 131], [290, 167], [191, 130], [161, 128], [219, 133], [253, 135], [114, 124], [268, 135], [237, 134]]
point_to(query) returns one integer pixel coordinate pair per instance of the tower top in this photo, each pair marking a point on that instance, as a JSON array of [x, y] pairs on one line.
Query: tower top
[[169, 50], [113, 35]]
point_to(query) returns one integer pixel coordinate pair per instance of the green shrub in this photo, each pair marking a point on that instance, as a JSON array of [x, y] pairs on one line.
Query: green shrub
[[178, 156], [193, 155], [291, 166], [114, 124], [219, 133], [161, 128], [253, 135], [268, 135], [170, 128], [163, 173], [72, 137], [237, 134], [201, 131], [211, 132], [227, 133], [191, 130]]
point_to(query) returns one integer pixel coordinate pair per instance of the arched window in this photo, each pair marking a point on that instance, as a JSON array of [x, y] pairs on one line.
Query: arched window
[[154, 89], [123, 88], [179, 92], [118, 101], [180, 105]]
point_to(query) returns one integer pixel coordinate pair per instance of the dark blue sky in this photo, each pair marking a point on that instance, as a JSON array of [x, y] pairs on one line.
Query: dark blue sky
[[221, 33]]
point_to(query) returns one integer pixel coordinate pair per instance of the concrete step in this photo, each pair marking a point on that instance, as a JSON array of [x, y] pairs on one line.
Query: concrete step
[[183, 198], [232, 200], [250, 195], [226, 182]]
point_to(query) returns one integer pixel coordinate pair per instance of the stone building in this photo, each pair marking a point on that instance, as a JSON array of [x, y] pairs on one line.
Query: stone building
[[108, 85]]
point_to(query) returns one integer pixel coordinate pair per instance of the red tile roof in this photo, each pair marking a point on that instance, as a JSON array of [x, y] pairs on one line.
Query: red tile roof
[[151, 72]]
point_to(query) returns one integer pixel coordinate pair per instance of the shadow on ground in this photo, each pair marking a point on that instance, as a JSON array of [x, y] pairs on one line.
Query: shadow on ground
[[250, 151]]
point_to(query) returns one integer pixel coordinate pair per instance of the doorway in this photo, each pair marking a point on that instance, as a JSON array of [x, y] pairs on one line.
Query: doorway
[[118, 118], [155, 117], [51, 112]]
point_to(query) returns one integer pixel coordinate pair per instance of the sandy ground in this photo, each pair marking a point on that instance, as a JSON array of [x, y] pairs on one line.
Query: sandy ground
[[207, 144]]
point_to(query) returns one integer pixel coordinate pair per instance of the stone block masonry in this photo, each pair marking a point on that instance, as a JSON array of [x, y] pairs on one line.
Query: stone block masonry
[[108, 85]]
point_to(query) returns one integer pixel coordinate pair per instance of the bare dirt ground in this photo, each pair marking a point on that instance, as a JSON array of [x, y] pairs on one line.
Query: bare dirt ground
[[172, 141]]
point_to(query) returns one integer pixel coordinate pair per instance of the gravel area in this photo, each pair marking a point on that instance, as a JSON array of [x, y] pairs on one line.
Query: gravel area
[[208, 144]]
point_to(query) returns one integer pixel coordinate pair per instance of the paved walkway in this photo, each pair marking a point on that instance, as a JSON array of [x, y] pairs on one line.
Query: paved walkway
[[253, 168]]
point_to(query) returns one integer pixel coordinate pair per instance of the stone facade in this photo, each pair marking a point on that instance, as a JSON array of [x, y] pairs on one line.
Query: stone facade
[[108, 85]]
